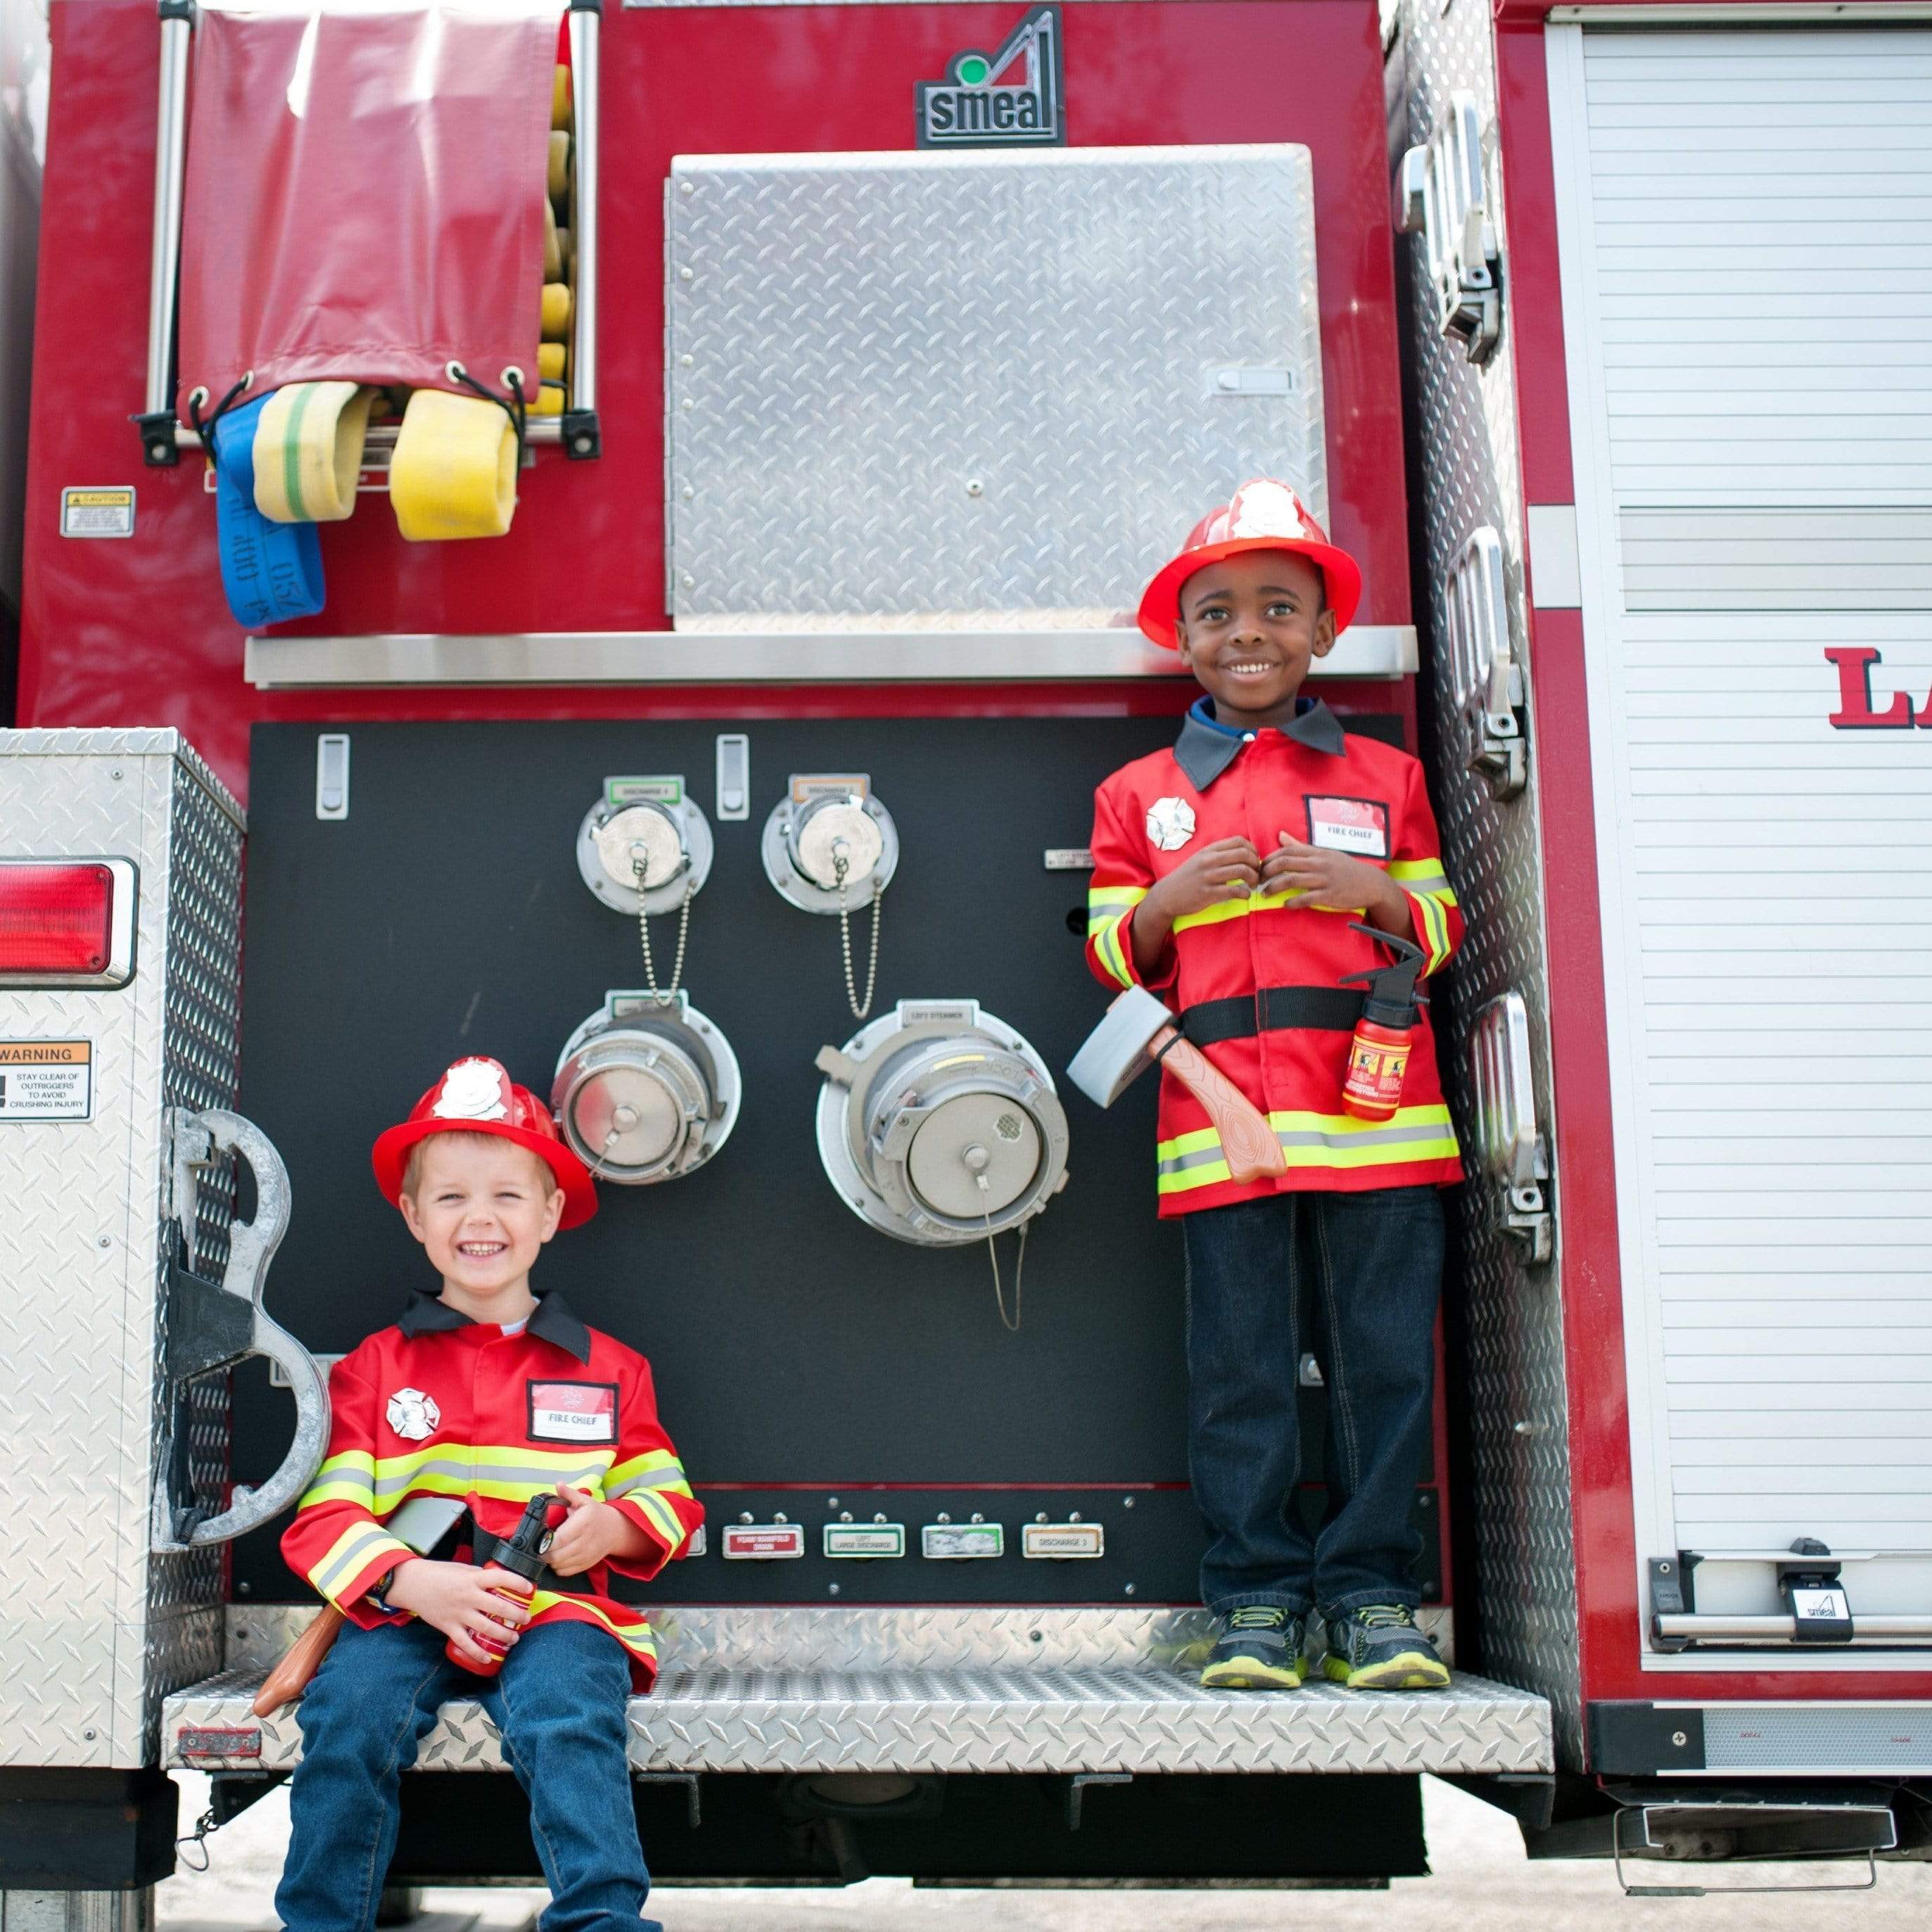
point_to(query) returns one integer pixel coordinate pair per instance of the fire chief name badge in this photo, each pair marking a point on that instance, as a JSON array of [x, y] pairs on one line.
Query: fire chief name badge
[[573, 1411], [1358, 826]]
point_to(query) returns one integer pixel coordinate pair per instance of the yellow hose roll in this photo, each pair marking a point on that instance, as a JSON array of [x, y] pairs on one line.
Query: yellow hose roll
[[559, 98], [453, 473], [559, 165], [550, 361], [556, 311], [308, 452], [553, 253], [549, 399]]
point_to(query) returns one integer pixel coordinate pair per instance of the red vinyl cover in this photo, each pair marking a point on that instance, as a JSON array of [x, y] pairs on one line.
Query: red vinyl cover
[[363, 192]]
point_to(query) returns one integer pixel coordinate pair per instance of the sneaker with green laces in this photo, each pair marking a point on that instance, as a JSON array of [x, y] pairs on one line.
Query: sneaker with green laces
[[1379, 1648], [1259, 1648]]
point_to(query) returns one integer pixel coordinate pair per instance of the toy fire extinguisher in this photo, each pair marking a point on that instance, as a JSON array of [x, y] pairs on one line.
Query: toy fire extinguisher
[[1379, 1054], [521, 1553]]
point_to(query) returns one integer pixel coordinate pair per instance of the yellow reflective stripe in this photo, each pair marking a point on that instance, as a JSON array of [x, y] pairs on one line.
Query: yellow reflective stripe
[[661, 1515], [635, 1636], [341, 1489], [349, 1477], [1205, 1175], [659, 1467], [1422, 875], [1224, 909], [1110, 947], [454, 1468], [1432, 928], [353, 1551], [1311, 1140], [1113, 899]]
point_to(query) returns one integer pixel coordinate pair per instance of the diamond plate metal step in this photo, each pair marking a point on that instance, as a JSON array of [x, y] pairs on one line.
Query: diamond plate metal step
[[1131, 1718]]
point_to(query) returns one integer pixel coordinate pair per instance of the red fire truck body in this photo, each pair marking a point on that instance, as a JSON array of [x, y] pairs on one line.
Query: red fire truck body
[[1675, 1505]]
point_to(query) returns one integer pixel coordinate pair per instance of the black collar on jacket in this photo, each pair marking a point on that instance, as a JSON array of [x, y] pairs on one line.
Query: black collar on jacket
[[1206, 747], [551, 1321]]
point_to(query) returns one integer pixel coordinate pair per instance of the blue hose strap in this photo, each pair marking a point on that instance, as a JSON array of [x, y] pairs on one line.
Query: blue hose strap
[[272, 571]]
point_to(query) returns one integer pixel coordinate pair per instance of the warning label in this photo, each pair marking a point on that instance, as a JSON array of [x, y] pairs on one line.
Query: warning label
[[97, 513], [47, 1079]]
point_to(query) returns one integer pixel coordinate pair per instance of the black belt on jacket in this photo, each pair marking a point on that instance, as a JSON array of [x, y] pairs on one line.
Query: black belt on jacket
[[1273, 1009]]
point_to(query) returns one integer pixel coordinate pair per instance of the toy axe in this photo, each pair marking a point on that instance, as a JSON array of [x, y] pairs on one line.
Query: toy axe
[[422, 1522], [1138, 1031]]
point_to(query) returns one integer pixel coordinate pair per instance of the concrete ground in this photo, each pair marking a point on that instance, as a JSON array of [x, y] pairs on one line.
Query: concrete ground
[[1482, 1880]]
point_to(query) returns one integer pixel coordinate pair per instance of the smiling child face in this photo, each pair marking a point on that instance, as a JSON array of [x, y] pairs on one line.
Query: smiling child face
[[1250, 625], [482, 1207]]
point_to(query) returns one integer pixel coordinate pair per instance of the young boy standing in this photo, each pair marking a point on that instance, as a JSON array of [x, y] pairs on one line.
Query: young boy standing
[[1227, 871], [485, 1392]]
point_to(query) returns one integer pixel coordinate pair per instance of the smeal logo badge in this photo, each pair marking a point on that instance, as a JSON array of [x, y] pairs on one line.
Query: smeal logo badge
[[1010, 99]]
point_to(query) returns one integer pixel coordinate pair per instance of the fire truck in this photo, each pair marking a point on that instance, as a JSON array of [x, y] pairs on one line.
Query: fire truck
[[741, 787]]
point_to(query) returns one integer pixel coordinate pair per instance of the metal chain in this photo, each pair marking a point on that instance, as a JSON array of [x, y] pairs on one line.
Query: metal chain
[[197, 1840], [841, 865], [670, 993]]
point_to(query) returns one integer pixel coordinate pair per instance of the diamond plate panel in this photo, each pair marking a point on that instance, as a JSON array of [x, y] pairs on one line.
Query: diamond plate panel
[[1039, 1720], [1472, 476], [894, 379], [711, 1637], [84, 1662]]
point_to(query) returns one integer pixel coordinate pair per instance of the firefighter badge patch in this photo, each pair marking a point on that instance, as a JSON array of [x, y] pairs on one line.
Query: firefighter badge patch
[[1170, 824], [413, 1414], [473, 1090]]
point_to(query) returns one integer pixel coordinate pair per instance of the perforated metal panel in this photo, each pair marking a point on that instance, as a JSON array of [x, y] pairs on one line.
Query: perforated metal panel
[[902, 385], [86, 1657], [1518, 1403]]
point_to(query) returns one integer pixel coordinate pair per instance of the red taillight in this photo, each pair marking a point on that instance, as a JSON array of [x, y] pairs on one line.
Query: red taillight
[[56, 920]]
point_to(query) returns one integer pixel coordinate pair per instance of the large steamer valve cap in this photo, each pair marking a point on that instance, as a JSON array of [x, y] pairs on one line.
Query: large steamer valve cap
[[939, 1125], [646, 1091]]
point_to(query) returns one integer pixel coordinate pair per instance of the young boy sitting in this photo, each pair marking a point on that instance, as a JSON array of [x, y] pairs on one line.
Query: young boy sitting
[[1226, 874], [486, 1392]]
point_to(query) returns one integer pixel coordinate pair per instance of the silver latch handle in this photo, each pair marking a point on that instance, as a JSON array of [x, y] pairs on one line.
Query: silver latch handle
[[251, 1247]]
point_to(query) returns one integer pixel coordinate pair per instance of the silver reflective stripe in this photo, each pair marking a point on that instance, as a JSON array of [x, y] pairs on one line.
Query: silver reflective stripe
[[673, 1477], [351, 1559], [1293, 1137], [1205, 1156], [466, 1472]]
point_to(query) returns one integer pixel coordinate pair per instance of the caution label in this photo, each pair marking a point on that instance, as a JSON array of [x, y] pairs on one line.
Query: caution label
[[98, 512], [47, 1079]]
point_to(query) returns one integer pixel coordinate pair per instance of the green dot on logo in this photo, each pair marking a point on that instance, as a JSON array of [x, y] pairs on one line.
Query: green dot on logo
[[974, 70]]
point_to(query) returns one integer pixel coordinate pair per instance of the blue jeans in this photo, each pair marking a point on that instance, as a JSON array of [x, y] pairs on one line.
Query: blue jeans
[[560, 1702], [1355, 1279]]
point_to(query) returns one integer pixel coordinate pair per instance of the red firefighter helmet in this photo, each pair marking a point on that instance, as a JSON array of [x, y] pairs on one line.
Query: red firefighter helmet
[[1262, 514], [477, 1096]]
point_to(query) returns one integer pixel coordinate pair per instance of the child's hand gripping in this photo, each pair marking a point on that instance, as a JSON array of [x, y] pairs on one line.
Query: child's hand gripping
[[1333, 882], [592, 1534], [462, 1600]]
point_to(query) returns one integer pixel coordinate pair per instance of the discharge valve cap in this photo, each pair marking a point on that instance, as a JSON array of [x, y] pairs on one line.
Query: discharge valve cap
[[939, 1124]]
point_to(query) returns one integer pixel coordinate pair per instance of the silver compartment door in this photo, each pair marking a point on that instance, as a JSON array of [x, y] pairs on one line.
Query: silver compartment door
[[912, 387]]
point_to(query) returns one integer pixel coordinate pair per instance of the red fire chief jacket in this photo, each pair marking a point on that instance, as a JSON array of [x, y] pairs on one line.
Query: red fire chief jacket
[[1267, 959], [441, 1405]]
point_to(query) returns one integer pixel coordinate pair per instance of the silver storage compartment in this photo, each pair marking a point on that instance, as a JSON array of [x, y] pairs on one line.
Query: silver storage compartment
[[925, 390], [98, 1630]]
